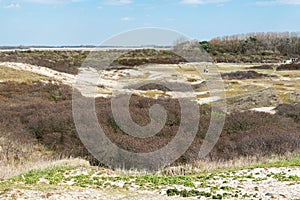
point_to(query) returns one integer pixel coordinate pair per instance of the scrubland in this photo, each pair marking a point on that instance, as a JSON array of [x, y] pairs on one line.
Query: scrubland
[[42, 155]]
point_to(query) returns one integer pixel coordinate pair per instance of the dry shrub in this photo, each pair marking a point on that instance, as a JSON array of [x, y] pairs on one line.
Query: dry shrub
[[289, 110], [70, 61], [295, 66], [283, 67], [29, 113], [256, 134], [64, 61], [147, 56], [240, 75]]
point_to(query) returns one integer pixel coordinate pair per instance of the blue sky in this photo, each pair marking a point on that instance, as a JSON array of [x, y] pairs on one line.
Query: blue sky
[[82, 22]]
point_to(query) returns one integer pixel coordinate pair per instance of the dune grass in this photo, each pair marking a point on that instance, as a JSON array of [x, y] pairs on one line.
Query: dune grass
[[8, 74]]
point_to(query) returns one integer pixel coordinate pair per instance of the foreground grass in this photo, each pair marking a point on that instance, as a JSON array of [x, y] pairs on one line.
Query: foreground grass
[[212, 184]]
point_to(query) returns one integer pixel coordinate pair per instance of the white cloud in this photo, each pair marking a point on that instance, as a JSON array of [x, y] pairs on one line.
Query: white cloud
[[278, 2], [201, 2], [12, 6], [118, 2], [126, 19]]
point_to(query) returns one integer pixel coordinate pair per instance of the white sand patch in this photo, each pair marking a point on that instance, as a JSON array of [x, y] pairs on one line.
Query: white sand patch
[[208, 100], [107, 83], [265, 109]]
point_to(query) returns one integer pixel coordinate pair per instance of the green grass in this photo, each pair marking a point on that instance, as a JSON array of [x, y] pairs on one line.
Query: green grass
[[202, 184], [283, 177], [54, 175], [292, 162], [58, 174], [187, 193]]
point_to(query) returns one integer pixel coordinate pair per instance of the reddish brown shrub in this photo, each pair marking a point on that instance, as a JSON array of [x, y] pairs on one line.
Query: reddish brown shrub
[[27, 110]]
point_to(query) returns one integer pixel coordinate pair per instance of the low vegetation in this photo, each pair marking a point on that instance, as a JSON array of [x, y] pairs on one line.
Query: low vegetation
[[37, 126], [71, 61], [42, 112], [64, 61], [216, 184], [7, 74], [289, 110], [240, 75], [283, 67], [148, 56]]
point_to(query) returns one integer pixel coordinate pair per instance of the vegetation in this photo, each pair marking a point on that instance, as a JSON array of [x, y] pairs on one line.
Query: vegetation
[[283, 67], [211, 185], [70, 61], [63, 61], [36, 123], [7, 74], [147, 56], [42, 112], [243, 75], [289, 110], [254, 47]]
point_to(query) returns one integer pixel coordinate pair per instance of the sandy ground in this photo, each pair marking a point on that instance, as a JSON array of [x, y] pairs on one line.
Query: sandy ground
[[265, 109], [116, 82], [110, 83], [259, 183], [82, 194]]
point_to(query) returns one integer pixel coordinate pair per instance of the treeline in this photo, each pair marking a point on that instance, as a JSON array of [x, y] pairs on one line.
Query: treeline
[[254, 47]]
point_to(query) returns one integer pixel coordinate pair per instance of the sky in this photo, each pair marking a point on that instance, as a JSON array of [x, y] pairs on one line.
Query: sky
[[89, 22]]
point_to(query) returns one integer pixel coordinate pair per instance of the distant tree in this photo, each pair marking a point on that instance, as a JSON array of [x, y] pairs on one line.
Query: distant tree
[[205, 45], [254, 47]]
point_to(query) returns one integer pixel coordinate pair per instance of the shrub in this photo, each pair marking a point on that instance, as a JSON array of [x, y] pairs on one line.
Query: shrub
[[27, 110]]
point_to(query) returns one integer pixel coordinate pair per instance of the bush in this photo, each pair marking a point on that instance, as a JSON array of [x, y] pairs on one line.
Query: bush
[[27, 110], [289, 110], [240, 75]]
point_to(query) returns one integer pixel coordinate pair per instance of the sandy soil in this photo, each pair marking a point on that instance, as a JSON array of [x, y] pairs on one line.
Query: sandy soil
[[116, 82], [259, 183]]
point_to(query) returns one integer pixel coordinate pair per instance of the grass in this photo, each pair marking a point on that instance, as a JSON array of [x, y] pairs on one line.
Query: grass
[[204, 167], [158, 178], [60, 175], [18, 154], [8, 74], [240, 88], [154, 93], [283, 87], [211, 182], [283, 177], [187, 193]]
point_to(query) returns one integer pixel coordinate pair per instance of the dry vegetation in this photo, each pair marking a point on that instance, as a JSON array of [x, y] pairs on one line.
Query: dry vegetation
[[40, 114], [37, 127], [70, 61], [147, 56], [63, 61], [240, 75], [7, 74], [254, 47], [283, 67]]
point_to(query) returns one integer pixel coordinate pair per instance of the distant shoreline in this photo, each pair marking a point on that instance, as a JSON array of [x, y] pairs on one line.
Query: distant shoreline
[[78, 48]]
